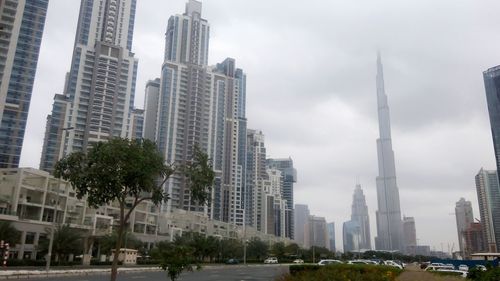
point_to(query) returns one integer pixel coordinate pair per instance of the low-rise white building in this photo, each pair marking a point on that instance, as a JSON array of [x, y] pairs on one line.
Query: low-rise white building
[[30, 197]]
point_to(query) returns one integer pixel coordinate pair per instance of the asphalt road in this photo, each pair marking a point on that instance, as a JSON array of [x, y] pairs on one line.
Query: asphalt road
[[224, 273]]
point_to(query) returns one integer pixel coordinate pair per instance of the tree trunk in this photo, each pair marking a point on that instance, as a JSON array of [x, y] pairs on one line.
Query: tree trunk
[[114, 266]]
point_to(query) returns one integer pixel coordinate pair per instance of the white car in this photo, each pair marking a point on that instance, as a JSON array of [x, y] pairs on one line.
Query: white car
[[298, 261], [463, 267], [393, 264], [357, 262], [454, 272], [327, 262], [271, 260], [481, 267]]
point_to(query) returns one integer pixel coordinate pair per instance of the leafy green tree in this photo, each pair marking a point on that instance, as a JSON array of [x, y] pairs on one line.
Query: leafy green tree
[[292, 249], [278, 250], [108, 242], [126, 171], [8, 233], [175, 258], [66, 241], [257, 249], [230, 248]]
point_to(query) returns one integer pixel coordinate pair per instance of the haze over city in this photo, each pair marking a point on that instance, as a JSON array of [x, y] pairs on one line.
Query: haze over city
[[311, 70]]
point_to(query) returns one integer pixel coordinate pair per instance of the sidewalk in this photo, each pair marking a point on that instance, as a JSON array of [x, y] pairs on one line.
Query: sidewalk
[[17, 274]]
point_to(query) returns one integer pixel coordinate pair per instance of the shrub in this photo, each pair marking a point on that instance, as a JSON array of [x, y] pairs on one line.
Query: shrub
[[300, 268], [147, 262], [341, 272], [492, 274], [97, 262]]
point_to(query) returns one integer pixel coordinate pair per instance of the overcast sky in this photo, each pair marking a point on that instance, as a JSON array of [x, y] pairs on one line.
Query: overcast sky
[[311, 89]]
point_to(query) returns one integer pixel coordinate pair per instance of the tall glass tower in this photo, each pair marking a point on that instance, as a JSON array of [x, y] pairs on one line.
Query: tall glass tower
[[389, 224], [100, 85], [21, 27], [360, 214], [489, 199]]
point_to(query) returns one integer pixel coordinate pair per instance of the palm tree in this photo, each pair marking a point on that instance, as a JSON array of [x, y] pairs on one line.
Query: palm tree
[[66, 241], [8, 233]]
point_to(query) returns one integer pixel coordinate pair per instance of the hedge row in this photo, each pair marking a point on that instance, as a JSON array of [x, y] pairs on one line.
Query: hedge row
[[341, 272]]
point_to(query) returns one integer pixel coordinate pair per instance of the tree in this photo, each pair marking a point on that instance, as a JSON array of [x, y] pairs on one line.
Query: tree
[[9, 234], [278, 250], [257, 249], [108, 242], [174, 258], [231, 248], [126, 171], [66, 241]]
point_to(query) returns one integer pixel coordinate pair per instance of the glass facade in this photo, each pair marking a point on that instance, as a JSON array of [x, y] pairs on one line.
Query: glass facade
[[492, 87], [17, 103]]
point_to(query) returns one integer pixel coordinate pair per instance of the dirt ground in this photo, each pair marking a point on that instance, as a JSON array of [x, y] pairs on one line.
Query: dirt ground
[[414, 273]]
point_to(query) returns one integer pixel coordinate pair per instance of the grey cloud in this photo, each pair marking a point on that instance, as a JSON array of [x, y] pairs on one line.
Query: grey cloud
[[311, 89]]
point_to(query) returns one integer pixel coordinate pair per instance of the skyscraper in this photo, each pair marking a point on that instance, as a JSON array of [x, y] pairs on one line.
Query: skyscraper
[[464, 217], [331, 235], [351, 236], [488, 195], [289, 174], [255, 175], [151, 99], [360, 214], [473, 239], [301, 216], [22, 23], [317, 234], [492, 86], [389, 225], [100, 86], [201, 105], [409, 234]]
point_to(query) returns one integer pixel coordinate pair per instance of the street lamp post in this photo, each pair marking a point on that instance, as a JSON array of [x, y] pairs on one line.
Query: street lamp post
[[54, 222]]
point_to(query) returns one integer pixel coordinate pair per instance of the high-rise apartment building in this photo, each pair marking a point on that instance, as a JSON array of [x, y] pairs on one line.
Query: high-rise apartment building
[[331, 235], [360, 214], [389, 224], [488, 195], [151, 99], [464, 217], [255, 174], [100, 86], [473, 239], [351, 234], [21, 24], [289, 174], [409, 234], [301, 216], [136, 128], [201, 105], [317, 233]]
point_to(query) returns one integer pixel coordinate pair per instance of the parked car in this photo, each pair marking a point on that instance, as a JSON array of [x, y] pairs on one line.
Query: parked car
[[454, 272], [481, 267], [358, 262], [271, 260], [439, 267], [298, 261], [463, 267], [327, 262], [393, 264], [232, 261]]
